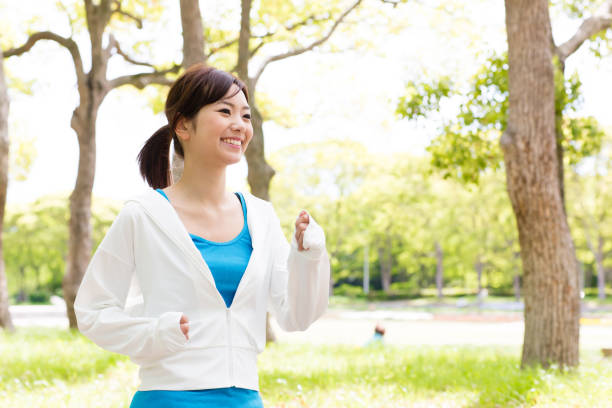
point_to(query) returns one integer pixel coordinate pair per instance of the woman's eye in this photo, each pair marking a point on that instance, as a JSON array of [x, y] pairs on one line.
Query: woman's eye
[[225, 111], [247, 116]]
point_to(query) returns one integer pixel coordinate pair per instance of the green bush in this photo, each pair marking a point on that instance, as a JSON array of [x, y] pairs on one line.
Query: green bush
[[593, 292], [39, 297], [349, 290], [407, 287]]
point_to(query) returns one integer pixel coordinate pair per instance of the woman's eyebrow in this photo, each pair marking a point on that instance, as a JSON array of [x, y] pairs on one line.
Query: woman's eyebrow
[[232, 105]]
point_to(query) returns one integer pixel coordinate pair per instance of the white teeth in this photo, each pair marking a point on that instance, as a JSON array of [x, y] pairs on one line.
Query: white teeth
[[232, 141]]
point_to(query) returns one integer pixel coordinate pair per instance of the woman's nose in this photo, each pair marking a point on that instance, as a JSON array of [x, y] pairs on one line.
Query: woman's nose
[[238, 124]]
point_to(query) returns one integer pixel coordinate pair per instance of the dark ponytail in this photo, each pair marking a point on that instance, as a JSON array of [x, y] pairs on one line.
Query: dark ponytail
[[198, 86], [154, 158]]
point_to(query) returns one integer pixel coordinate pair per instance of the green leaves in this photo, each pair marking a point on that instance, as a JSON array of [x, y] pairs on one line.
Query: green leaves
[[36, 241], [582, 137], [423, 97], [22, 155], [467, 143]]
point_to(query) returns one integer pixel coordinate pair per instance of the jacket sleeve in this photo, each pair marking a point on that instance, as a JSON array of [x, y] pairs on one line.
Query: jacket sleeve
[[299, 285], [100, 304]]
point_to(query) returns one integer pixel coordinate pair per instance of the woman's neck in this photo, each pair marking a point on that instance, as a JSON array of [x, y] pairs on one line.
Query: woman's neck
[[202, 186]]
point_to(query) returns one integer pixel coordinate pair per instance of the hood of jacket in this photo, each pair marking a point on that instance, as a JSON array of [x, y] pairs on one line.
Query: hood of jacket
[[163, 214]]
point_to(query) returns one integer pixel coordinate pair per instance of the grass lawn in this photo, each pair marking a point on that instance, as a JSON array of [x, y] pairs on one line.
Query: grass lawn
[[54, 368]]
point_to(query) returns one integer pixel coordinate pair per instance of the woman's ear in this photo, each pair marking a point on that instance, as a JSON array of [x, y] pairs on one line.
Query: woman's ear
[[182, 128]]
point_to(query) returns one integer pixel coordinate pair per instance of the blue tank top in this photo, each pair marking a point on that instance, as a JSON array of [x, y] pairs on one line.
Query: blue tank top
[[227, 262]]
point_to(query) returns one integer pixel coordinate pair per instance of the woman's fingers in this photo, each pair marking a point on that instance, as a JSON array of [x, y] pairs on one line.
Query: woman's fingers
[[299, 236], [185, 326], [300, 226], [302, 239], [302, 218]]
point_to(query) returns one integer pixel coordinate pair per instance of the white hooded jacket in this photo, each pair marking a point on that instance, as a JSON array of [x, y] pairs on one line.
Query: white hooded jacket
[[148, 251]]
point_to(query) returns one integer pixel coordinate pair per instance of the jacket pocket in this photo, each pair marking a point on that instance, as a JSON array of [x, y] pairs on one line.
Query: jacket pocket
[[167, 339], [207, 332], [169, 333]]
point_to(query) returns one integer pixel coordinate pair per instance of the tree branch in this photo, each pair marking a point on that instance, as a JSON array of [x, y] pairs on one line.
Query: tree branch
[[394, 2], [113, 43], [601, 20], [222, 46], [143, 79], [257, 48], [308, 20], [119, 10], [302, 50], [68, 43], [290, 27]]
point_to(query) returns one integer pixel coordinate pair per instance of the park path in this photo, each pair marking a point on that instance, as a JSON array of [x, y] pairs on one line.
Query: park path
[[343, 326]]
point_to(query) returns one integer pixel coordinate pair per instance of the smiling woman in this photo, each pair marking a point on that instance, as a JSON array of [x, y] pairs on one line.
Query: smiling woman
[[200, 97], [209, 263]]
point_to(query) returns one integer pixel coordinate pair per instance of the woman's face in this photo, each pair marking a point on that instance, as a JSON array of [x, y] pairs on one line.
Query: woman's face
[[223, 130]]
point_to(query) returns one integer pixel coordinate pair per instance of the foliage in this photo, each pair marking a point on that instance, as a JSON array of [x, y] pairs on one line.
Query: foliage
[[365, 201], [467, 144], [589, 201], [35, 244], [22, 154]]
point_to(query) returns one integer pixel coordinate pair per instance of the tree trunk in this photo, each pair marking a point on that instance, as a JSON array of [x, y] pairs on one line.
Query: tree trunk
[[79, 240], [260, 173], [588, 277], [597, 252], [193, 33], [601, 272], [22, 295], [91, 92], [5, 317], [439, 269], [366, 269], [478, 265], [193, 53], [552, 304], [516, 283], [559, 150], [270, 336], [384, 258]]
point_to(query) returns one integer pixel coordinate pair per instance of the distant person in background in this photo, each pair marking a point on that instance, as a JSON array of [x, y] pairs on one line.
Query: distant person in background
[[378, 337]]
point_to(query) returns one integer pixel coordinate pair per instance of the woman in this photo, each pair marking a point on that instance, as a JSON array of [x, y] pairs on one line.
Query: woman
[[208, 263]]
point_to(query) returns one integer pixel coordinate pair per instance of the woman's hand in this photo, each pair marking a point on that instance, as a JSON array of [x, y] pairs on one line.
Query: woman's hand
[[185, 326], [300, 226]]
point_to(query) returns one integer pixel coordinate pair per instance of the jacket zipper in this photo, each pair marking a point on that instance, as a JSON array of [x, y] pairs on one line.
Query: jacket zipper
[[190, 255], [229, 345]]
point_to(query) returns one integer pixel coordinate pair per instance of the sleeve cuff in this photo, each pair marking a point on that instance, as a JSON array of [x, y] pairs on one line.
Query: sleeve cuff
[[170, 331]]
